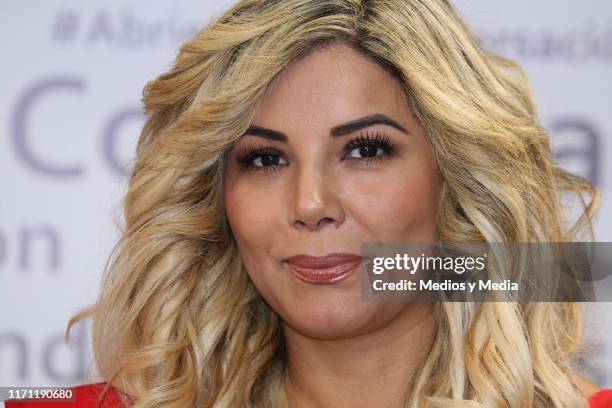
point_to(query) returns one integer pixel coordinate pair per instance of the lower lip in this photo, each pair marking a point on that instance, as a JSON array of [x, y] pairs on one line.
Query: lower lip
[[332, 274]]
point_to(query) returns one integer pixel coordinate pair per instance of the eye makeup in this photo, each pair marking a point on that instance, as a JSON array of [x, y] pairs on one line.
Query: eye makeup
[[370, 147]]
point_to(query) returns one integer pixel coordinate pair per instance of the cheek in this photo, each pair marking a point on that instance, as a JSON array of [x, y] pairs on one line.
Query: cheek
[[253, 217], [414, 194], [400, 204], [247, 214]]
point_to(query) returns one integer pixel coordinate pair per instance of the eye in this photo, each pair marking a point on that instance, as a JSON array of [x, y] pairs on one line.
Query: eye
[[366, 151], [369, 147], [365, 148], [262, 159]]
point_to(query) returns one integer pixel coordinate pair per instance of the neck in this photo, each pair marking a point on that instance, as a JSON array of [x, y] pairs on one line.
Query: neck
[[374, 369]]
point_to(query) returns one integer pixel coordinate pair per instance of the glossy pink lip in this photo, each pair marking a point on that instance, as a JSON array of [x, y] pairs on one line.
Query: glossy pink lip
[[330, 268]]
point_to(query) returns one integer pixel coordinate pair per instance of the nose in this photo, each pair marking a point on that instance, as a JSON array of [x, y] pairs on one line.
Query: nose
[[314, 201]]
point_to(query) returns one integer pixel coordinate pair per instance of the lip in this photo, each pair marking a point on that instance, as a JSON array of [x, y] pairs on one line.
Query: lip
[[329, 268]]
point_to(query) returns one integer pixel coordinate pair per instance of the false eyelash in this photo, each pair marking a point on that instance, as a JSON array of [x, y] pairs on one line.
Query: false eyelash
[[246, 158], [377, 140]]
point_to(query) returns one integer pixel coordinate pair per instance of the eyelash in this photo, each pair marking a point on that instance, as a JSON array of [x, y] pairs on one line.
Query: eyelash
[[377, 140]]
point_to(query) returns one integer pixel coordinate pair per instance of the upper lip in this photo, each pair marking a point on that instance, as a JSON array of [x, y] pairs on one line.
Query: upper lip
[[325, 261]]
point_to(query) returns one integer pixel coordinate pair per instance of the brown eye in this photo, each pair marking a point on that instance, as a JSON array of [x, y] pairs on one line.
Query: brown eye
[[262, 159], [369, 147], [366, 151]]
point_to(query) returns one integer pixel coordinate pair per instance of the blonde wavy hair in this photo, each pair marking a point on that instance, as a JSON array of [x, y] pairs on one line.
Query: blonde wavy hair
[[178, 323]]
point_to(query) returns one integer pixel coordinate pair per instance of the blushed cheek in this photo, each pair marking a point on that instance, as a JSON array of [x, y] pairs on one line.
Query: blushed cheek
[[242, 219], [416, 206], [402, 208], [253, 232], [416, 212], [251, 218]]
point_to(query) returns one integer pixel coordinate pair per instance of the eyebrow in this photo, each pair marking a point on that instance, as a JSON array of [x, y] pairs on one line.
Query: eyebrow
[[339, 130]]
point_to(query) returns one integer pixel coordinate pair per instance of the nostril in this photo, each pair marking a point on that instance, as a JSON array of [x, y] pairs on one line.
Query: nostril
[[325, 220]]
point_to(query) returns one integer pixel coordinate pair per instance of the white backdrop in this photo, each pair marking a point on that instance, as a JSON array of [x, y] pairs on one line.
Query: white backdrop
[[73, 73]]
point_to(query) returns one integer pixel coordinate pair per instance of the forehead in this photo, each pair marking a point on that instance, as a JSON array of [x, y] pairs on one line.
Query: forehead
[[331, 84]]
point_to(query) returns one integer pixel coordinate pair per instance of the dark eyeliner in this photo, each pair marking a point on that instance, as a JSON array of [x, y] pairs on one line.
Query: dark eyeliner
[[377, 140], [246, 157]]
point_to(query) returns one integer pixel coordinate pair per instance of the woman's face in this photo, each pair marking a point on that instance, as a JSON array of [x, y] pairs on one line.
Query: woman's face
[[312, 177]]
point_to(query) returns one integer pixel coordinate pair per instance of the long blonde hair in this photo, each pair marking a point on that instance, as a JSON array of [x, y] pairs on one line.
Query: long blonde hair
[[178, 322]]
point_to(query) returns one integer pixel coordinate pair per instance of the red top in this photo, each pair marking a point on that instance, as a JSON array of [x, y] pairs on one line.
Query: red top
[[86, 395], [601, 399]]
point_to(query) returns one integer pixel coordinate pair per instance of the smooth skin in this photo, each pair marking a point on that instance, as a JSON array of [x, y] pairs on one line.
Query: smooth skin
[[314, 197], [311, 192]]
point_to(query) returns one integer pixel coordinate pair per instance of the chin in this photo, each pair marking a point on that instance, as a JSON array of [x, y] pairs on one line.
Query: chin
[[330, 320]]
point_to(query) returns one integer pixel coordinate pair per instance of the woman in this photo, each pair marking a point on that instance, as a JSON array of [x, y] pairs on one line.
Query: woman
[[288, 133]]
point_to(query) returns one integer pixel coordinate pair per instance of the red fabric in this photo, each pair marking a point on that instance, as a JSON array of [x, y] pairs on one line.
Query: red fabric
[[601, 399], [86, 396]]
